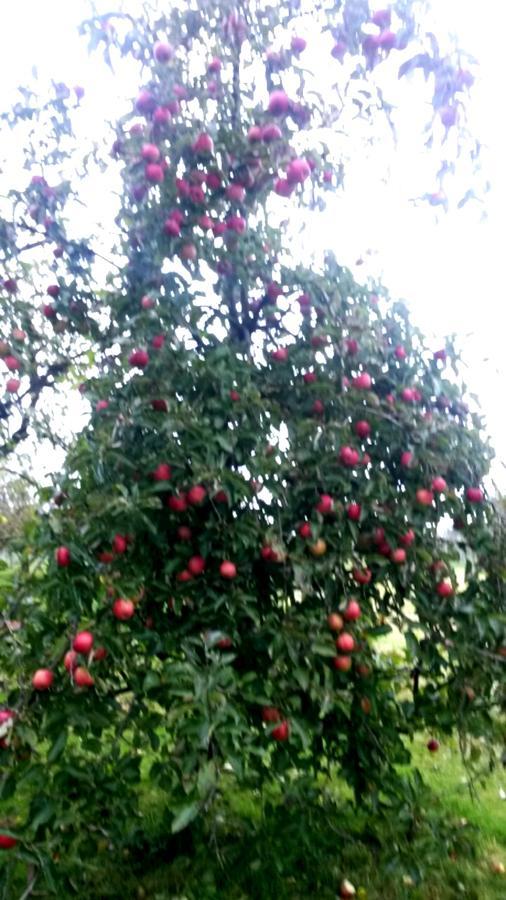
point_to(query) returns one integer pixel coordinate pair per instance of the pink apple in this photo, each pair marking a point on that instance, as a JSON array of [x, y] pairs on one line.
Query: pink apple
[[203, 145], [154, 173], [228, 569], [163, 52], [362, 429], [398, 556], [352, 611], [83, 642], [325, 504], [345, 642], [123, 609], [139, 358], [424, 497], [353, 511], [42, 679], [196, 565], [474, 495], [150, 153], [62, 557], [439, 484], [279, 104], [196, 495], [363, 381]]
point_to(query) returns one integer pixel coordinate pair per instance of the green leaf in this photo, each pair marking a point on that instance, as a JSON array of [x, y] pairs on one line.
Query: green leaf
[[186, 815], [58, 746]]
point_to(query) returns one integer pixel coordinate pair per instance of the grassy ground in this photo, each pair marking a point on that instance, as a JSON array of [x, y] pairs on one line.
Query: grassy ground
[[295, 851]]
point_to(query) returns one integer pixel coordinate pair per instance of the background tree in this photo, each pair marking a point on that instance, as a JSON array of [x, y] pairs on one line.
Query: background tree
[[256, 498]]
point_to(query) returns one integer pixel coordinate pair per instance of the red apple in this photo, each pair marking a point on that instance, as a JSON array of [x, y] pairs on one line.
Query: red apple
[[342, 663], [184, 576], [439, 484], [281, 732], [184, 533], [83, 678], [150, 153], [349, 456], [196, 565], [119, 543], [309, 377], [362, 429], [297, 171], [400, 352], [424, 497], [177, 503], [352, 611], [163, 472], [406, 459], [83, 642], [407, 538], [159, 405], [335, 622], [99, 654], [154, 173], [270, 714], [353, 511], [100, 405], [362, 576], [305, 530], [203, 145], [139, 358], [345, 642], [228, 569], [363, 381], [398, 556], [12, 385], [474, 495], [445, 589], [7, 842], [279, 103], [62, 557], [318, 408], [123, 609], [42, 679], [433, 745], [280, 355], [163, 52], [325, 504], [196, 495], [188, 252]]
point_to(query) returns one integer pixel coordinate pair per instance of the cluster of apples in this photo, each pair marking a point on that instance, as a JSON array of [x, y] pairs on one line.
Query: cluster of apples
[[82, 645]]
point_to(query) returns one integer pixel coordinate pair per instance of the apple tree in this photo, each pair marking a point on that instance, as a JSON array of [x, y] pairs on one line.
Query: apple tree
[[272, 464]]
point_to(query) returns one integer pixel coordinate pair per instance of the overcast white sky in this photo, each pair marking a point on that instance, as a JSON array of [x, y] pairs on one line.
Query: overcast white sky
[[449, 268]]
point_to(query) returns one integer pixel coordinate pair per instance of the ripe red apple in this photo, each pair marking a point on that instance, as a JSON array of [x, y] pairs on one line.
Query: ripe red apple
[[184, 533], [83, 678], [13, 364], [139, 358], [439, 484], [270, 714], [363, 381], [345, 642], [184, 576], [177, 503], [53, 290], [150, 153], [171, 227], [83, 642], [163, 472], [163, 52], [280, 355], [407, 538], [214, 65], [62, 557], [305, 530], [362, 576], [433, 745], [100, 405], [7, 842], [228, 569], [297, 171], [400, 352], [474, 495], [298, 44], [325, 504], [99, 654], [309, 377], [147, 302], [203, 145], [362, 429], [353, 511], [12, 385], [318, 408], [271, 133], [119, 543], [445, 589], [281, 732], [406, 458], [348, 456], [123, 609], [279, 104], [196, 495], [342, 663], [42, 679], [154, 173], [196, 565], [159, 405], [188, 252], [335, 622], [161, 115], [254, 134], [352, 611], [398, 556], [424, 497], [407, 394]]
